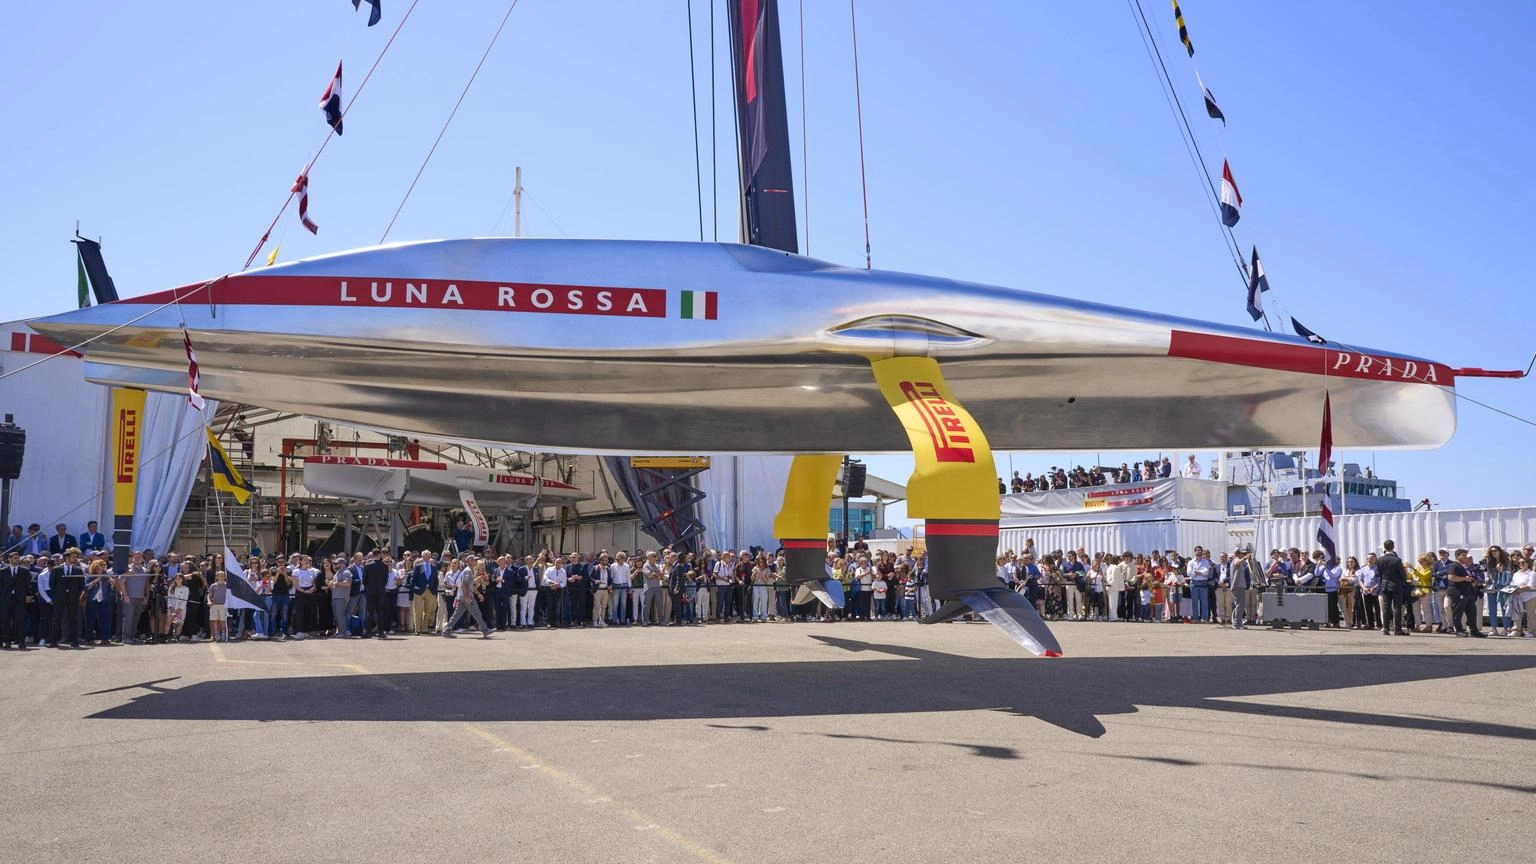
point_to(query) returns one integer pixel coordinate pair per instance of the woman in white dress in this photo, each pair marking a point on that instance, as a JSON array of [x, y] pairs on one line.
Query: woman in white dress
[[1522, 600]]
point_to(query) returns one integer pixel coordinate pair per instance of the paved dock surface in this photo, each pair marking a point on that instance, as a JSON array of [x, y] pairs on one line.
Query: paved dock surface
[[871, 742]]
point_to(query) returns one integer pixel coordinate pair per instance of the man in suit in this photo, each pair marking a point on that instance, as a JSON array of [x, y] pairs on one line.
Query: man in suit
[[67, 581], [424, 594], [578, 590], [15, 590], [15, 539], [61, 541], [92, 540], [525, 592], [34, 543], [382, 602], [1393, 578], [501, 590], [357, 603]]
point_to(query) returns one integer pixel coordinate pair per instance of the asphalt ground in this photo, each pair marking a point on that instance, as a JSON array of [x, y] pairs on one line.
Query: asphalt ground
[[867, 742]]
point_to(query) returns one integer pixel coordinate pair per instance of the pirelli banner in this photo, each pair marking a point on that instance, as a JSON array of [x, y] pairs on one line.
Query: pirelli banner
[[1174, 493], [127, 446]]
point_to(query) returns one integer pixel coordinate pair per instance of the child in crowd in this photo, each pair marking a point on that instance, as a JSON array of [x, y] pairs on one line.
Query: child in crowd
[[218, 620]]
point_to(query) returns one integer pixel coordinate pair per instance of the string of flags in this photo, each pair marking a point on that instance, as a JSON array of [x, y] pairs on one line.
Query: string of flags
[[1231, 204], [332, 104], [1229, 199]]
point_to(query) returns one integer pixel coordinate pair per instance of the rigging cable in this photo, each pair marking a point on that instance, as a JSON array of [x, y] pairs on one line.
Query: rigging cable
[[805, 150], [858, 101], [331, 134], [535, 202], [714, 165], [71, 349], [693, 93], [1186, 129], [451, 114]]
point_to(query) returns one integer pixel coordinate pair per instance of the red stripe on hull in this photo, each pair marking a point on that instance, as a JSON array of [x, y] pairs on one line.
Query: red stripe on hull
[[1307, 359], [435, 293]]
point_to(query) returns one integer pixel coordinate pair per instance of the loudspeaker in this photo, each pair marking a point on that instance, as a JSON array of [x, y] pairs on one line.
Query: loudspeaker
[[853, 479], [13, 444]]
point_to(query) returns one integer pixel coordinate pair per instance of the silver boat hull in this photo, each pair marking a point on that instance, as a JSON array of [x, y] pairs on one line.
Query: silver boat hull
[[651, 347]]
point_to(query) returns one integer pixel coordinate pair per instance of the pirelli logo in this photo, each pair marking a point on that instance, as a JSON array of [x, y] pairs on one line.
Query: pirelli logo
[[951, 438], [127, 461]]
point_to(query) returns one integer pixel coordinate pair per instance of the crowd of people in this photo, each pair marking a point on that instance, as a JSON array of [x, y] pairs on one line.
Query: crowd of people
[[1098, 475], [1438, 593], [64, 597], [75, 596]]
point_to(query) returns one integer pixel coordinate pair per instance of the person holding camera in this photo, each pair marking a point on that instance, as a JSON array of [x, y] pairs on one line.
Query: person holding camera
[[1463, 590]]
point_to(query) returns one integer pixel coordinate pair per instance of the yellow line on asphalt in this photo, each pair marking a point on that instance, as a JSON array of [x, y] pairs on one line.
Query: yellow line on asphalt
[[593, 796], [639, 820]]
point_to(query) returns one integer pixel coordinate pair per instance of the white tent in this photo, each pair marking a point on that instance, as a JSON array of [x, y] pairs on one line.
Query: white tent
[[1176, 513]]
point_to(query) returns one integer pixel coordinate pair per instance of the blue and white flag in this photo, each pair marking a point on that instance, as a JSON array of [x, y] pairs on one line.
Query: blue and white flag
[[373, 15], [1306, 334], [1258, 283], [242, 594], [330, 101]]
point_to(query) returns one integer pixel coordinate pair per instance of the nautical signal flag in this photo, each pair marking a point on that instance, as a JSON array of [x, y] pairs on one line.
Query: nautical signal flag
[[301, 188], [374, 14], [272, 256], [225, 477], [1231, 199], [1211, 108], [1178, 17], [1327, 533], [1306, 334], [194, 398], [330, 101], [1258, 283]]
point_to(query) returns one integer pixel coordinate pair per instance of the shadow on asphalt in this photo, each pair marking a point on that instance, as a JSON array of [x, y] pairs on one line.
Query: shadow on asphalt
[[1334, 772], [1072, 693]]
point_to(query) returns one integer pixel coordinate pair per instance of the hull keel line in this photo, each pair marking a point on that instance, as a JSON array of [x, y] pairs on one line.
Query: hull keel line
[[953, 488], [802, 524]]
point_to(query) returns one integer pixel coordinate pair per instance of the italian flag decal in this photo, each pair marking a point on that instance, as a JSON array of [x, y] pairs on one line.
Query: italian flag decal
[[700, 304]]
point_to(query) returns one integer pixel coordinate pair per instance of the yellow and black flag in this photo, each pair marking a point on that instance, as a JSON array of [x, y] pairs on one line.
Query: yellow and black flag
[[225, 477], [1178, 16]]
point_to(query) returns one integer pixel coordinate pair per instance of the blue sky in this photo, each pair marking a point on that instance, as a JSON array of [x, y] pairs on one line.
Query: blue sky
[[1383, 150]]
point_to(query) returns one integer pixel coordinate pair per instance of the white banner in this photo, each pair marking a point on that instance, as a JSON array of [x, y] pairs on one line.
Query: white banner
[[476, 518]]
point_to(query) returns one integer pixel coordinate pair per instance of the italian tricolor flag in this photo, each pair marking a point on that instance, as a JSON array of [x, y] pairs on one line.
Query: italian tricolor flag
[[700, 304]]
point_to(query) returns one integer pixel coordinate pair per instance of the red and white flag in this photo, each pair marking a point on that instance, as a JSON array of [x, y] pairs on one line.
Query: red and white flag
[[194, 398], [1231, 199], [301, 187], [1327, 532]]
